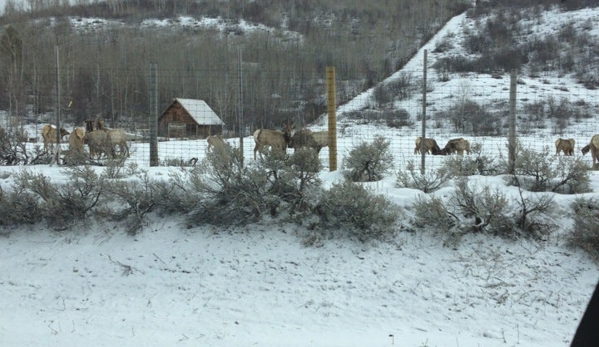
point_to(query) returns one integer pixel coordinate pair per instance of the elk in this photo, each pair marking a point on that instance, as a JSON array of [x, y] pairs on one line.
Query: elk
[[276, 139], [97, 141], [76, 141], [306, 138], [564, 145], [49, 135], [430, 146], [321, 138], [76, 153], [593, 146], [457, 146], [115, 138], [118, 138], [216, 141]]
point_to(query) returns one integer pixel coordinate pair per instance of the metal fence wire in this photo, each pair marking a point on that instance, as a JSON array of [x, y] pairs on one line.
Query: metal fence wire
[[192, 104]]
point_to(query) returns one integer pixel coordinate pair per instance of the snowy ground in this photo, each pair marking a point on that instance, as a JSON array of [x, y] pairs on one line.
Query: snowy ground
[[188, 287], [259, 286]]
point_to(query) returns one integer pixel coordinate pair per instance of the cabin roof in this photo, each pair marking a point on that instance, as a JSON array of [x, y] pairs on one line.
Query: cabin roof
[[200, 111]]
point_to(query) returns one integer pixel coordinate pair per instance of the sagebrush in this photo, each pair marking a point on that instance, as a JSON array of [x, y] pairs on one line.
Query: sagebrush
[[353, 209], [368, 162], [585, 231]]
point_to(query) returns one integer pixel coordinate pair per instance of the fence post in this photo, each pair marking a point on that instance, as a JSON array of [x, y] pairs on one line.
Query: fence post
[[56, 157], [153, 96], [512, 132], [241, 124], [423, 136], [332, 105]]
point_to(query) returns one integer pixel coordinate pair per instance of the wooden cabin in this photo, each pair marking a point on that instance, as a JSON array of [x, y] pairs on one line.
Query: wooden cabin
[[189, 118]]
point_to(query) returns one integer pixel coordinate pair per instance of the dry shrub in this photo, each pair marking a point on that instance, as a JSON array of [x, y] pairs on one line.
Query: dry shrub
[[585, 232], [544, 171], [226, 191], [368, 162], [357, 212], [471, 209], [135, 198], [19, 206], [430, 212], [62, 205], [427, 182]]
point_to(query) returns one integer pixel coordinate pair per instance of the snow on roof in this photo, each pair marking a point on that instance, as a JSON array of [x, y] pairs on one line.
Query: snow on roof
[[200, 111]]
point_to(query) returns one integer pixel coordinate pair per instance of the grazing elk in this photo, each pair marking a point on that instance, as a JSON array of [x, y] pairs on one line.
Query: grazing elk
[[593, 146], [276, 139], [430, 146], [301, 139], [457, 146], [115, 138], [322, 139], [306, 138], [49, 135], [118, 138], [97, 141], [216, 141], [76, 141], [564, 145]]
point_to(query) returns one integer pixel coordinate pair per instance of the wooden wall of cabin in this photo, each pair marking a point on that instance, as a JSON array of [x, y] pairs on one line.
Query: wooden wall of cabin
[[176, 113]]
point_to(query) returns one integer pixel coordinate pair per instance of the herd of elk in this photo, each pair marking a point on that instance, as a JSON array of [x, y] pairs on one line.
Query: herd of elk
[[281, 140], [105, 141], [567, 146], [461, 145], [430, 146], [100, 141]]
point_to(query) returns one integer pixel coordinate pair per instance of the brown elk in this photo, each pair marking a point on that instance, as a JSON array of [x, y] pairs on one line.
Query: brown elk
[[457, 146], [216, 141], [76, 154], [116, 138], [49, 135], [97, 141], [430, 146], [564, 145], [301, 139], [593, 146], [306, 138], [276, 139], [322, 139], [76, 141]]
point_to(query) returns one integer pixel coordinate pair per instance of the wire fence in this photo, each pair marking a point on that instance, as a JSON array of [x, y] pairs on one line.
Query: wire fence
[[472, 106]]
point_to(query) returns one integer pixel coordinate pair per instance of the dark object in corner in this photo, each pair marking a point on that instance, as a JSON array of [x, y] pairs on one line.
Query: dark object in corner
[[587, 334]]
